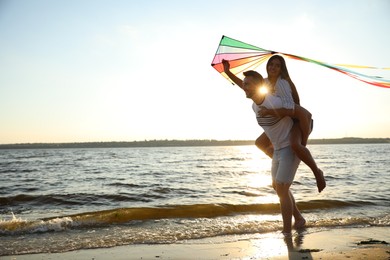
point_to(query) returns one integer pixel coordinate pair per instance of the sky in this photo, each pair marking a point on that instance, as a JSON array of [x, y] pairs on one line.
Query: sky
[[111, 70]]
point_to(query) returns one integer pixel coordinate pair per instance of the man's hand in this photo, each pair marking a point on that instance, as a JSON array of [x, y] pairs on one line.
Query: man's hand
[[226, 65], [232, 77]]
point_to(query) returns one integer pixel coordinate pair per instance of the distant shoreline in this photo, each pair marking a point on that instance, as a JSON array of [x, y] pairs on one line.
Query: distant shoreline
[[181, 143]]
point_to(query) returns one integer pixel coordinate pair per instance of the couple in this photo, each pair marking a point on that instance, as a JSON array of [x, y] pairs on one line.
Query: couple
[[286, 126]]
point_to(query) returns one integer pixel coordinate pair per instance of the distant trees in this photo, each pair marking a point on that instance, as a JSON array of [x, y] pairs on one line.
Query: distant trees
[[174, 143]]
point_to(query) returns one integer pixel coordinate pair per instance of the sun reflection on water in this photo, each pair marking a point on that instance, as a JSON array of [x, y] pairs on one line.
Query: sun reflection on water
[[257, 176]]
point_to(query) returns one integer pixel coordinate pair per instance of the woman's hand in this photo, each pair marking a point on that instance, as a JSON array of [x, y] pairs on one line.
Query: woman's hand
[[263, 111]]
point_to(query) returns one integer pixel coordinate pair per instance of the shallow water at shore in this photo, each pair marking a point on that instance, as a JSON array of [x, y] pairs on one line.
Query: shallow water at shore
[[55, 200]]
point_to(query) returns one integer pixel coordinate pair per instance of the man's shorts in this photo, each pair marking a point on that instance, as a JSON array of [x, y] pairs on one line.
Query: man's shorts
[[284, 165]]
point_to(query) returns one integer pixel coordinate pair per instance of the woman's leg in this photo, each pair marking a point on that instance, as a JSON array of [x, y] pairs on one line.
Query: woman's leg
[[304, 118], [264, 144], [304, 154]]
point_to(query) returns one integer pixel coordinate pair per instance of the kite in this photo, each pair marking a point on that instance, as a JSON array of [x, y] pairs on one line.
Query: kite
[[243, 56]]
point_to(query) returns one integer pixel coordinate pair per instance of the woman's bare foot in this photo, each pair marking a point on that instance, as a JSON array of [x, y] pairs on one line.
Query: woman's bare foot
[[321, 183], [300, 223]]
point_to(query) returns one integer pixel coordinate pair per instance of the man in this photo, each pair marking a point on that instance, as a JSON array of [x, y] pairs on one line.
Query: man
[[284, 161]]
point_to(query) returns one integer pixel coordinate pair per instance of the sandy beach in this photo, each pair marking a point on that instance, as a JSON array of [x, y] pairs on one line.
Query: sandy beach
[[338, 243]]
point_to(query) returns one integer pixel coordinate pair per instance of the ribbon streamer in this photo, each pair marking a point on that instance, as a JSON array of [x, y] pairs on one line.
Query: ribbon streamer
[[243, 56]]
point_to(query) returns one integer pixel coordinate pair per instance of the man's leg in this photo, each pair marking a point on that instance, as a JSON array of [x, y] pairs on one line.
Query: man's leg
[[284, 166], [286, 205], [300, 221]]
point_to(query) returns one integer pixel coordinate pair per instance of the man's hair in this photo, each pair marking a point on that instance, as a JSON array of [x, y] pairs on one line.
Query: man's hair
[[255, 75]]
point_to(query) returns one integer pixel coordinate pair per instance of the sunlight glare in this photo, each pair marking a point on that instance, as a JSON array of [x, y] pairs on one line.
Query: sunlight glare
[[258, 167], [258, 180], [263, 90], [270, 246]]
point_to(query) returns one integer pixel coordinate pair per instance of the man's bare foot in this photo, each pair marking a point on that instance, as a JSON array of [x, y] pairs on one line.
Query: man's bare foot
[[287, 234], [320, 179], [300, 223]]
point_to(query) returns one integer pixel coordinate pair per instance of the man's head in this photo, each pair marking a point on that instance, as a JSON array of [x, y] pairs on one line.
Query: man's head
[[252, 82]]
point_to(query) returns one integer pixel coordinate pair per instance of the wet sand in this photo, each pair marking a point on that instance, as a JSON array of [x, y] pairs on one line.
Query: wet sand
[[338, 243]]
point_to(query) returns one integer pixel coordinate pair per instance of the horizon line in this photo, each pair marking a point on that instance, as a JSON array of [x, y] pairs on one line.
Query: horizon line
[[196, 141]]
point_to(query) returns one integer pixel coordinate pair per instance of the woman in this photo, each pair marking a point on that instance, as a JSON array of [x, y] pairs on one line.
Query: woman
[[277, 77]]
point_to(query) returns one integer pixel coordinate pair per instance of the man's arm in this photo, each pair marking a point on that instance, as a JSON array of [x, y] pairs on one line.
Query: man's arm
[[234, 78]]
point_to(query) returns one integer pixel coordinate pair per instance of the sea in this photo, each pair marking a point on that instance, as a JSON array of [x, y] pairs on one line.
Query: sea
[[58, 200]]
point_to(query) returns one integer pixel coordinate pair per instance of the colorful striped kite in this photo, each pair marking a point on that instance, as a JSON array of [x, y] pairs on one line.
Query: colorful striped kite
[[243, 56]]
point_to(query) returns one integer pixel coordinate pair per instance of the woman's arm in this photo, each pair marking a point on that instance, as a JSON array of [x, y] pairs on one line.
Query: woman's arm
[[279, 112], [283, 90]]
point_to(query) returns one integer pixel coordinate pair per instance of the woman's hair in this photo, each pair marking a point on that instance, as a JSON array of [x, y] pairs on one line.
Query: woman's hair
[[284, 75], [255, 75]]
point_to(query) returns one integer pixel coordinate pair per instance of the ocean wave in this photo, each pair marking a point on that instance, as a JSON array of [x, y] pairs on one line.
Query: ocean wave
[[197, 211], [162, 231], [75, 199], [17, 225], [126, 185]]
